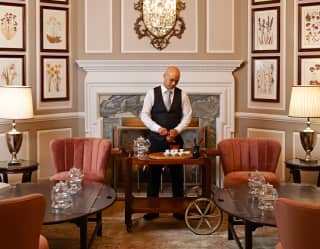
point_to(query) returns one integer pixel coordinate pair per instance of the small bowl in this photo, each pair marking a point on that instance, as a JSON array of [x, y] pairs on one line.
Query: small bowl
[[174, 152]]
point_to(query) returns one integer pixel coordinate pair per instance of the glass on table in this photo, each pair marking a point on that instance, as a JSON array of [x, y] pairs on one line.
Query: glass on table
[[255, 182], [60, 196], [267, 196]]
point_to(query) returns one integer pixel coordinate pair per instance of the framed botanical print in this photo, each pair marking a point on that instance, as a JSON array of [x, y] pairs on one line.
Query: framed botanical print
[[54, 29], [12, 70], [309, 26], [266, 30], [309, 70], [55, 1], [12, 26], [255, 2], [265, 78], [54, 78]]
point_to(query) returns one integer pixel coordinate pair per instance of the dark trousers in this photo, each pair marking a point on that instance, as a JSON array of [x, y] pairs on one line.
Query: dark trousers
[[159, 144]]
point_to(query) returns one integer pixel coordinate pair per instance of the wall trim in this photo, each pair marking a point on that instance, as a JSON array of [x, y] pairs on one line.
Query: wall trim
[[48, 117], [95, 51], [272, 117], [208, 30]]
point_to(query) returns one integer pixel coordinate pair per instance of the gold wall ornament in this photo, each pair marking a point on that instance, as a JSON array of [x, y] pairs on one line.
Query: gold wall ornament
[[159, 20]]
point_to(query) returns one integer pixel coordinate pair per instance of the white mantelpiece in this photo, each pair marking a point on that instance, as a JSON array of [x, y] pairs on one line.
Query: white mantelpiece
[[106, 77]]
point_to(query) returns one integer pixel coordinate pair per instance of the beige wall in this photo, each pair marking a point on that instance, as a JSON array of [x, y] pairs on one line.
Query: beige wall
[[213, 36]]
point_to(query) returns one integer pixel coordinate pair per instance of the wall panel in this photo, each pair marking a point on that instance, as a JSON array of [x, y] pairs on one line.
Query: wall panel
[[43, 154]]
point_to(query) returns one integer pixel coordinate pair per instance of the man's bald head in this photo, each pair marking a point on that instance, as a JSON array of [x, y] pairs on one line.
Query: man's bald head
[[171, 77]]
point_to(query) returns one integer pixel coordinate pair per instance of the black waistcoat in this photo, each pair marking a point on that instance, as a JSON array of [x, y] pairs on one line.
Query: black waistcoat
[[167, 119]]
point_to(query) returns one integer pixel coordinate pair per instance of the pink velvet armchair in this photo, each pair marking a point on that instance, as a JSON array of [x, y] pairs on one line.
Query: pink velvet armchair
[[298, 224], [21, 221], [239, 156], [89, 154]]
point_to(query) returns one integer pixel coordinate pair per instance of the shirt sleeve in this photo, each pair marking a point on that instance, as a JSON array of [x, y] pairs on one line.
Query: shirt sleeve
[[186, 113], [145, 114]]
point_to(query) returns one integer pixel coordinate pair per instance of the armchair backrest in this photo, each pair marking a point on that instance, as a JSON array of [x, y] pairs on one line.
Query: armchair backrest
[[247, 154], [21, 220], [298, 224], [89, 154]]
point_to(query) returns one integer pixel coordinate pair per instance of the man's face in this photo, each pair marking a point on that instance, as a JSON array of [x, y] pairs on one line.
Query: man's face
[[171, 78]]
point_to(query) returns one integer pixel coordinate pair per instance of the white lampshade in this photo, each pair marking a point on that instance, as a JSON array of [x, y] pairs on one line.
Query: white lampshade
[[16, 102], [305, 102]]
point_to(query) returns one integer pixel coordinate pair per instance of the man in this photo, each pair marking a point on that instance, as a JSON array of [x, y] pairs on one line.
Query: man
[[166, 112]]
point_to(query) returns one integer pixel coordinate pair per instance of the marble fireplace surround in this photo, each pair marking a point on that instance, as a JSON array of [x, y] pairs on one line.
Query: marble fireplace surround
[[105, 77]]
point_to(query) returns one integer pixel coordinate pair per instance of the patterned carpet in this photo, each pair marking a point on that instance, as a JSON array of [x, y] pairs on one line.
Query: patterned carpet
[[162, 233]]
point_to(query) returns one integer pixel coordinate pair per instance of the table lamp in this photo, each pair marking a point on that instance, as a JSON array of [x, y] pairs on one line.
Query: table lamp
[[305, 103], [15, 103]]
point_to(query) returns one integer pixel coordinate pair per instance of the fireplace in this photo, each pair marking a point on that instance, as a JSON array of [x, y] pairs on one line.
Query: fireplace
[[129, 80]]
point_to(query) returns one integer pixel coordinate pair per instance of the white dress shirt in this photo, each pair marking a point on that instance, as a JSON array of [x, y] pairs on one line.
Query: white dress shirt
[[148, 104]]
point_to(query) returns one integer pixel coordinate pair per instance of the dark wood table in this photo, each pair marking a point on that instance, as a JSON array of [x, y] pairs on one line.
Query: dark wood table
[[92, 199], [25, 167], [236, 202], [296, 165], [161, 204]]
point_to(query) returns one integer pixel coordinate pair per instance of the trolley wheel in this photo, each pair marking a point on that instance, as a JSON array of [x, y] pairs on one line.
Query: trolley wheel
[[203, 217]]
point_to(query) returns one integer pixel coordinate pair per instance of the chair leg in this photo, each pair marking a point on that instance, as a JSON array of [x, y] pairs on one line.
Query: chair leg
[[99, 223]]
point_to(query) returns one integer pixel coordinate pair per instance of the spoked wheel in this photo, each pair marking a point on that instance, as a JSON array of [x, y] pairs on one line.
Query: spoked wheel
[[203, 217]]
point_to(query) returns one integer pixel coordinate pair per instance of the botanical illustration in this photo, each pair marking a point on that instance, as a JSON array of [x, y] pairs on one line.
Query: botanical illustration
[[265, 30], [309, 71], [309, 26], [54, 78], [11, 26], [54, 29], [265, 79], [11, 71]]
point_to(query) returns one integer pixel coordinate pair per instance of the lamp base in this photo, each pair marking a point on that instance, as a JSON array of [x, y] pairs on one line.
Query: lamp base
[[14, 162], [14, 141], [308, 141]]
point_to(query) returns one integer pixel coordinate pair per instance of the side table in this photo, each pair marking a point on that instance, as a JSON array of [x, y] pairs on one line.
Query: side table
[[296, 165], [26, 168]]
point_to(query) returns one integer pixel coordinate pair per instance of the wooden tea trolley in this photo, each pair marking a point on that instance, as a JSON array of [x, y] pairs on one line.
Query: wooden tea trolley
[[163, 204]]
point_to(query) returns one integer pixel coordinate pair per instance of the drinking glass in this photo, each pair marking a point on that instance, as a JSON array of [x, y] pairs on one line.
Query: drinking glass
[[267, 196], [255, 182], [60, 196], [75, 180]]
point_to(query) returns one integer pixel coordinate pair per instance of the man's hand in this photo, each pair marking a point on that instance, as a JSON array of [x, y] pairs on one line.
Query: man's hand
[[163, 131], [173, 133], [170, 139]]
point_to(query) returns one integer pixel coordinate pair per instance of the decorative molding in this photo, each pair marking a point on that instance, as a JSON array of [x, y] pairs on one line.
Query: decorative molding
[[48, 117], [272, 117], [282, 139], [109, 15], [136, 77], [208, 30], [45, 166], [148, 48]]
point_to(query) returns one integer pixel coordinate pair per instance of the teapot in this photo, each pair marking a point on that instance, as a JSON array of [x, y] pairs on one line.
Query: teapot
[[141, 147]]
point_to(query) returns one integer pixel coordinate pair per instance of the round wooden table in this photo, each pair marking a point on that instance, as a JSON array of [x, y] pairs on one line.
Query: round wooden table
[[296, 165], [237, 202], [92, 199], [25, 167]]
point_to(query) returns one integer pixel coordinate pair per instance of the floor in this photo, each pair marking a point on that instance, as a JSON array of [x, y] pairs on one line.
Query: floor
[[163, 233]]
